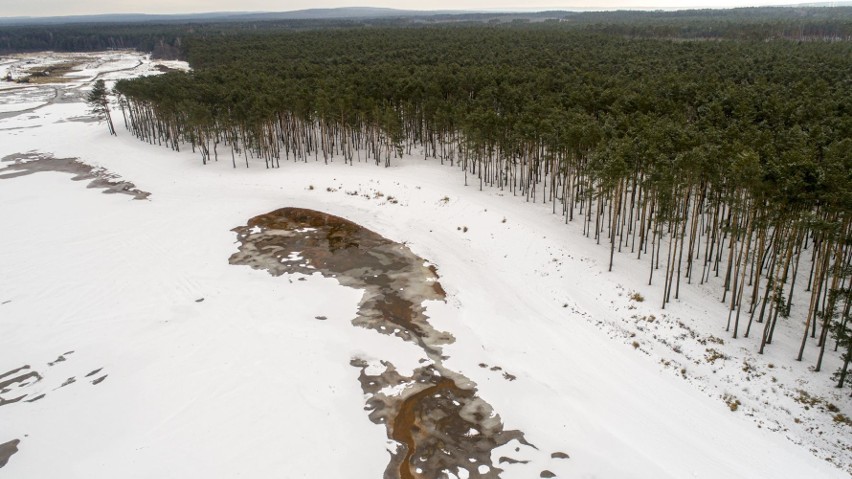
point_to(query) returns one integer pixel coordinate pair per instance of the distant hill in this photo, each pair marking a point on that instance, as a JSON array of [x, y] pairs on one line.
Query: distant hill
[[823, 4], [310, 14], [367, 13], [337, 13]]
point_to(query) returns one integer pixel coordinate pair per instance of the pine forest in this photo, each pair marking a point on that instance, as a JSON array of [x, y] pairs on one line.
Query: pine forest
[[713, 160]]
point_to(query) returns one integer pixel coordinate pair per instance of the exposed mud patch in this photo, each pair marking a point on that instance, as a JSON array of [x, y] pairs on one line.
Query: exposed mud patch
[[61, 358], [27, 385], [435, 415], [29, 163], [13, 382], [7, 450]]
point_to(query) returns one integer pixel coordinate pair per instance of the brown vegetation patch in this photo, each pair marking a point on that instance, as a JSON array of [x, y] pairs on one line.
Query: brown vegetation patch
[[51, 73]]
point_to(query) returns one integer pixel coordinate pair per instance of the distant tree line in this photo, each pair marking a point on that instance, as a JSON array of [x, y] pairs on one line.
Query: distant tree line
[[792, 23], [162, 41], [723, 161], [165, 38]]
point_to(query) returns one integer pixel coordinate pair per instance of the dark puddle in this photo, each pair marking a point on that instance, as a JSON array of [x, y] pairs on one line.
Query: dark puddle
[[29, 163], [435, 415], [7, 450]]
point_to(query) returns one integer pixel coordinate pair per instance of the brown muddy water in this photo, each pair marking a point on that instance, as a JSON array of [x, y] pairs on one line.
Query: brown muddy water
[[22, 164], [435, 415]]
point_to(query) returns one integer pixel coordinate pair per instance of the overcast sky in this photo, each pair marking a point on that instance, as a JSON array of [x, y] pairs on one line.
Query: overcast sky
[[10, 8]]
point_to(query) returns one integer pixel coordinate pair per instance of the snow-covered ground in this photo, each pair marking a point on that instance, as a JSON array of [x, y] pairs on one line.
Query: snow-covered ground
[[186, 366]]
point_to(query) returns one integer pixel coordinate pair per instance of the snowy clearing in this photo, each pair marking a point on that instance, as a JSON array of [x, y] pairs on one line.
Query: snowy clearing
[[155, 357]]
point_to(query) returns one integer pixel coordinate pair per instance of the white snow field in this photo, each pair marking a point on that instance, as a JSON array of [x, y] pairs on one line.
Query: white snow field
[[207, 369]]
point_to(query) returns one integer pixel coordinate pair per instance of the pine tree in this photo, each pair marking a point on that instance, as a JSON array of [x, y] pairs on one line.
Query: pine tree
[[98, 100], [841, 329]]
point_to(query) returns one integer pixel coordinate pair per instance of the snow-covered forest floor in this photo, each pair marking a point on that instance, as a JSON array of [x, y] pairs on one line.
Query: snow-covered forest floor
[[154, 357]]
